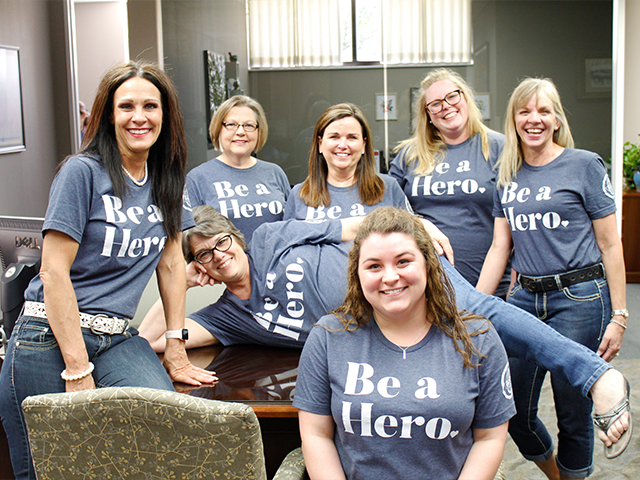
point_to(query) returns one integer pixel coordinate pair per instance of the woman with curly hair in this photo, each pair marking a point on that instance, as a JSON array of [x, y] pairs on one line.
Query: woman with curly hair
[[396, 382]]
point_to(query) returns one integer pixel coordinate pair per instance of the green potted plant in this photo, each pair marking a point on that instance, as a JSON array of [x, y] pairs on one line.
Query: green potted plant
[[631, 165]]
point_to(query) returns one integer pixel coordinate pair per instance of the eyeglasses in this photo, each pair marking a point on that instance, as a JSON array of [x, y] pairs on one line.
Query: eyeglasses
[[452, 98], [233, 126], [206, 256]]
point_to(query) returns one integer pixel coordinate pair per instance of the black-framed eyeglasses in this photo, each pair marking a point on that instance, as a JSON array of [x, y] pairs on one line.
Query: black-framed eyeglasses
[[452, 98], [222, 245], [233, 126]]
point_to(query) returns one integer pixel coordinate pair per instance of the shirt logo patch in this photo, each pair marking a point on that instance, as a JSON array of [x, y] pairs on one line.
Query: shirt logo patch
[[606, 186], [507, 389]]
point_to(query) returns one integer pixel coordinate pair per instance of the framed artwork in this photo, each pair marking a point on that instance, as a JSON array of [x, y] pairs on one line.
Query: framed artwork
[[483, 100], [215, 86], [597, 79], [11, 118], [388, 106]]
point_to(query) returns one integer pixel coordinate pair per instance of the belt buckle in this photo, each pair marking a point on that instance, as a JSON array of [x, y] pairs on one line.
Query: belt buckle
[[95, 329]]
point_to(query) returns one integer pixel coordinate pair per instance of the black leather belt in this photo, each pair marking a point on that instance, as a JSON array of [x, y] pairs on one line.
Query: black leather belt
[[562, 280]]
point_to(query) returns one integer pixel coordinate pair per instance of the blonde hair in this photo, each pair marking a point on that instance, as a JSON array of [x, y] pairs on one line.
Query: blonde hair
[[314, 191], [440, 296], [426, 148], [239, 101], [512, 157]]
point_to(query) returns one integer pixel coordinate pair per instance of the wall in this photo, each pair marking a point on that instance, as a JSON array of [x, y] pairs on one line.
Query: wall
[[632, 73], [36, 26], [102, 41], [517, 37], [189, 28], [553, 39]]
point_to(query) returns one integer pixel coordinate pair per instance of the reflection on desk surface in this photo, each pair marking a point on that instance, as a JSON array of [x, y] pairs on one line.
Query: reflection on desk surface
[[247, 373]]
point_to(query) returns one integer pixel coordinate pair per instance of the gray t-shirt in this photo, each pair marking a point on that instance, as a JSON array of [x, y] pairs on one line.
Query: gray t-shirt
[[550, 210], [297, 275], [120, 241], [248, 197], [458, 198], [345, 202], [397, 417]]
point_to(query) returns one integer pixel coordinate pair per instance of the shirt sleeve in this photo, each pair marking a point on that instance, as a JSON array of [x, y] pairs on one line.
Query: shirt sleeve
[[598, 193], [397, 169], [495, 404], [313, 388], [70, 199]]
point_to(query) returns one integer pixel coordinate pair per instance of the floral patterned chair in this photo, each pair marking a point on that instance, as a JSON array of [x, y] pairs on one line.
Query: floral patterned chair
[[141, 433]]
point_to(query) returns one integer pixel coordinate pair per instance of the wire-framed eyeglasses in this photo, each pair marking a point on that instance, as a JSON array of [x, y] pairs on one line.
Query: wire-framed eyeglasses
[[452, 98], [233, 126], [222, 245]]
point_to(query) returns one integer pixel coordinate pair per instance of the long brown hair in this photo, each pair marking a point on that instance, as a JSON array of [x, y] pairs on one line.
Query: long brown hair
[[439, 293], [167, 159], [314, 191]]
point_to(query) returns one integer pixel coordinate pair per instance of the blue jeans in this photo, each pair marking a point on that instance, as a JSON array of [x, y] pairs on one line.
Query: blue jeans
[[580, 312], [525, 337], [33, 364]]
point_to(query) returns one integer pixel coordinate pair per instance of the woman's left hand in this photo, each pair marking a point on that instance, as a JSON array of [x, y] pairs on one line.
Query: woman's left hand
[[180, 368], [611, 342], [440, 240]]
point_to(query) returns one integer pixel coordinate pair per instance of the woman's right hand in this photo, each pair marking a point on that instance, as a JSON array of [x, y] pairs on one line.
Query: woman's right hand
[[197, 276]]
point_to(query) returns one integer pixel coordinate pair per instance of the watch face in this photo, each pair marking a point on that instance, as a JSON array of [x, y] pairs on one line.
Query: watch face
[[185, 334]]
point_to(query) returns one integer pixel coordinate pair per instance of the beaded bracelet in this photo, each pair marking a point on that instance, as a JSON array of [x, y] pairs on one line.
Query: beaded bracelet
[[618, 323], [71, 378]]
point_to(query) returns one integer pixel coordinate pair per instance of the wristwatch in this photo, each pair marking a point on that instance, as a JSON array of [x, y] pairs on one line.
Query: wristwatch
[[181, 334], [623, 312]]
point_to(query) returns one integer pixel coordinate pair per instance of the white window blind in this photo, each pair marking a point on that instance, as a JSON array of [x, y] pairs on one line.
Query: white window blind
[[306, 33], [292, 33]]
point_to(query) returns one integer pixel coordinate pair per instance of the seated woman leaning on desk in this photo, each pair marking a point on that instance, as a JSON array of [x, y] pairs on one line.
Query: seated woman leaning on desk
[[396, 383], [293, 273]]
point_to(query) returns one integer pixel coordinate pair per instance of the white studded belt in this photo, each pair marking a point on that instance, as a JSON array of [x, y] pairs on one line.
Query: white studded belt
[[98, 324]]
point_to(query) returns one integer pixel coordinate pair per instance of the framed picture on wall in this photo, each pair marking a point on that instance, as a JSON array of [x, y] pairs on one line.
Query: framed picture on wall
[[215, 85], [597, 79], [414, 92], [388, 106], [11, 119]]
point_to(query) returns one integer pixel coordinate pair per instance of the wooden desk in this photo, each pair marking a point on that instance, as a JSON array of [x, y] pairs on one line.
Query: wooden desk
[[262, 377]]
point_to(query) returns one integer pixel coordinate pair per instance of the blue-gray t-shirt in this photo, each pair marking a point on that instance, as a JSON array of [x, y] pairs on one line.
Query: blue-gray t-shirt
[[458, 198], [345, 202], [120, 241], [298, 274], [401, 417], [248, 197], [551, 209]]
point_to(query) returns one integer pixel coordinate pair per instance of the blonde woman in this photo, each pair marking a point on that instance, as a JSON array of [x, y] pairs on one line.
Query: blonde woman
[[243, 188], [554, 204], [446, 169]]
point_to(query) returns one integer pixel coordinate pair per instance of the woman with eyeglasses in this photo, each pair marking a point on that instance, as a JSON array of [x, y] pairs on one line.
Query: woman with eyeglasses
[[446, 169], [293, 272], [243, 188], [554, 206]]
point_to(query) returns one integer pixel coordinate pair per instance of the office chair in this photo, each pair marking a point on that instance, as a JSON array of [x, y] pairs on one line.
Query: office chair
[[142, 433]]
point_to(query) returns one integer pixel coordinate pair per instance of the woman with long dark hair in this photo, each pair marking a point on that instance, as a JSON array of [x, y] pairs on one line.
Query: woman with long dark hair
[[115, 215]]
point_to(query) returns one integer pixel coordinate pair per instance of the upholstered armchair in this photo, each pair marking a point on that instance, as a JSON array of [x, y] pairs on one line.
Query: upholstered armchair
[[141, 433]]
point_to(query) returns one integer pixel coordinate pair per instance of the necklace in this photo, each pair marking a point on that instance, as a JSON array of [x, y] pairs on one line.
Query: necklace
[[404, 349], [139, 183]]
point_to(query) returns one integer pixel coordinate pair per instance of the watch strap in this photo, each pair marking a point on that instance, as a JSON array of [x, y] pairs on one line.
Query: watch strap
[[182, 334]]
